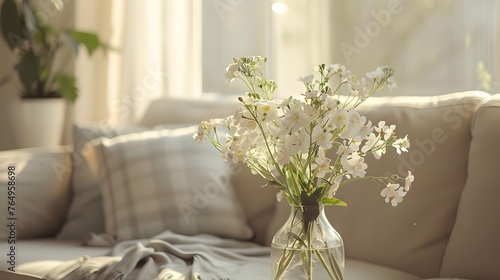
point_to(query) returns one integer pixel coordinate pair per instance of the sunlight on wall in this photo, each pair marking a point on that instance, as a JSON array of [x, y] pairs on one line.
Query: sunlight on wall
[[279, 7]]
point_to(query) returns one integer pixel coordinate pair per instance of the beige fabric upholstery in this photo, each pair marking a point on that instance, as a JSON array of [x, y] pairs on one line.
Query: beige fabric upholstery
[[359, 270], [17, 276], [42, 191], [257, 201], [52, 251], [187, 111], [474, 247]]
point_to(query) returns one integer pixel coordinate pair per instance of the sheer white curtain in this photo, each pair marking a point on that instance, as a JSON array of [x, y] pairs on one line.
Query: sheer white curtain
[[156, 53], [300, 39], [435, 46]]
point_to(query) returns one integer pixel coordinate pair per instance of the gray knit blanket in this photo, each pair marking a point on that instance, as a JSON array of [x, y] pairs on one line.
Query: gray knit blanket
[[170, 256]]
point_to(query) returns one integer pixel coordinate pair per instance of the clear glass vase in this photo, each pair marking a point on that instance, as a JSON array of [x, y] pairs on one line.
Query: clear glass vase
[[307, 247]]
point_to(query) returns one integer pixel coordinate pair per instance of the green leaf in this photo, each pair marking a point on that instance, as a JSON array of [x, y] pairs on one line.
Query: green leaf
[[67, 87], [332, 201], [58, 4], [30, 18], [89, 40], [11, 23], [29, 69]]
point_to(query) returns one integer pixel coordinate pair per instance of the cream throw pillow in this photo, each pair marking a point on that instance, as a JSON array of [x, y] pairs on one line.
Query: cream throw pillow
[[42, 192], [162, 180]]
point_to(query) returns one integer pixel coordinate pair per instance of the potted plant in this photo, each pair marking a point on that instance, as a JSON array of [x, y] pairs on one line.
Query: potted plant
[[37, 43]]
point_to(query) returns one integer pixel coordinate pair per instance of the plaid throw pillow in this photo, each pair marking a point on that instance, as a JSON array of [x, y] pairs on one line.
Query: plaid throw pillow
[[162, 180]]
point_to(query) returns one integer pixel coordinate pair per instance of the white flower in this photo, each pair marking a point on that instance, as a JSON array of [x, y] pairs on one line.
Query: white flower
[[371, 140], [355, 165], [334, 67], [205, 127], [402, 144], [375, 145], [378, 74], [408, 180], [354, 125], [322, 137], [331, 103], [385, 131], [391, 83], [238, 156], [343, 150], [359, 88], [282, 154], [393, 193], [292, 144], [311, 112], [311, 94], [378, 153], [321, 164], [339, 118], [337, 68], [364, 131], [279, 196], [198, 137], [297, 142], [232, 71], [306, 79], [295, 119], [335, 186], [268, 111]]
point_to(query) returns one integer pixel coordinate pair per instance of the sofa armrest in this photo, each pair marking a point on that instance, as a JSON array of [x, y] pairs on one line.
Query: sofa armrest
[[37, 190], [17, 276]]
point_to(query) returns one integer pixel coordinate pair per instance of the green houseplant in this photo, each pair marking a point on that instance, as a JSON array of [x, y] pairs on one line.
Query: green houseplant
[[37, 43]]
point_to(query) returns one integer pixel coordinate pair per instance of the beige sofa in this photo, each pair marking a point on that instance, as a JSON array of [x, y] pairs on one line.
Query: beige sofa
[[446, 228]]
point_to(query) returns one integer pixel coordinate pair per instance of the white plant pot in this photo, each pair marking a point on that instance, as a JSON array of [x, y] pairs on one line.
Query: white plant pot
[[38, 122]]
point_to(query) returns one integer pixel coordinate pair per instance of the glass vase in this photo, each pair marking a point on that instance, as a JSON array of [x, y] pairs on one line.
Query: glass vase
[[307, 247]]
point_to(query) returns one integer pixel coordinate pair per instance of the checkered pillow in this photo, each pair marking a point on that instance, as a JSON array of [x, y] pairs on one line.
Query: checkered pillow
[[162, 180]]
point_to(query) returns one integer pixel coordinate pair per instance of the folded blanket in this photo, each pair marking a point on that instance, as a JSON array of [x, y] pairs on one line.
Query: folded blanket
[[174, 257]]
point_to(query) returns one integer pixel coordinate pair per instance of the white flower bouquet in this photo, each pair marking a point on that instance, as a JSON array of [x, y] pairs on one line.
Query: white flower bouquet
[[286, 141]]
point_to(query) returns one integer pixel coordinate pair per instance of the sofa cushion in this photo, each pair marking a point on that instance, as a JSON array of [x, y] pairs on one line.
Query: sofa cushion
[[473, 250], [86, 213], [18, 276], [355, 269], [41, 192], [162, 180], [412, 236]]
